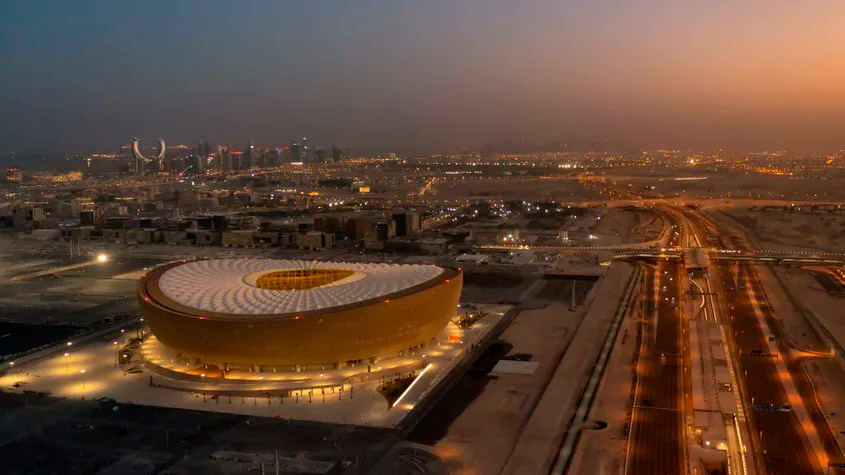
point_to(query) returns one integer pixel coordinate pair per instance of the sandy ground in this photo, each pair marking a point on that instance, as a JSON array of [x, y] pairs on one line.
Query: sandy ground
[[827, 375], [616, 226], [708, 183], [507, 399], [511, 187], [603, 451], [540, 440], [827, 308], [796, 326], [828, 380], [795, 230]]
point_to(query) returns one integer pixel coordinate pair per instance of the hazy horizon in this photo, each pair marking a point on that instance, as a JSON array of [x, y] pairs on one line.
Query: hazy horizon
[[422, 76]]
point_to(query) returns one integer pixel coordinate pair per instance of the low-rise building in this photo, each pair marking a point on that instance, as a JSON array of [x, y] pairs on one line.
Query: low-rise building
[[314, 240], [238, 238]]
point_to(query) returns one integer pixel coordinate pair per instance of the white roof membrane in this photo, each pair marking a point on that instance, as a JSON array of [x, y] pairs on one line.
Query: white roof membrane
[[228, 285]]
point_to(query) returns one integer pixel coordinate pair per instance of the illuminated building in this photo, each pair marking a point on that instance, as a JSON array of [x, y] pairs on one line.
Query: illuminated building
[[14, 175], [295, 152], [225, 159], [293, 314], [142, 162]]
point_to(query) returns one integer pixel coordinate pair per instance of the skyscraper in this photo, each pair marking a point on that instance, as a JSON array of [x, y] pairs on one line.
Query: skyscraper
[[225, 159], [307, 152], [319, 155], [237, 157], [248, 158], [204, 148], [203, 151], [276, 157], [295, 152]]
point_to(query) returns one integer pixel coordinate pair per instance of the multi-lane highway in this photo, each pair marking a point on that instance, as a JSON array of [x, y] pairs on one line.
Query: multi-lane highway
[[831, 454], [777, 433], [781, 440], [656, 439]]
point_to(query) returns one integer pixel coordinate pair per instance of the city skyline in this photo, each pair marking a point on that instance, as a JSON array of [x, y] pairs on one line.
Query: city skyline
[[418, 78]]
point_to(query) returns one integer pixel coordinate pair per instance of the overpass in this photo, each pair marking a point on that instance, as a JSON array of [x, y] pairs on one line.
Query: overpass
[[629, 251]]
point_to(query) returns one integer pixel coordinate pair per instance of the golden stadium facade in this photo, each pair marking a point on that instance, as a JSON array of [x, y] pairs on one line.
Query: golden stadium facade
[[294, 313]]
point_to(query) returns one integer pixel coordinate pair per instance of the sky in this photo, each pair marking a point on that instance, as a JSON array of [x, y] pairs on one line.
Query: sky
[[423, 75]]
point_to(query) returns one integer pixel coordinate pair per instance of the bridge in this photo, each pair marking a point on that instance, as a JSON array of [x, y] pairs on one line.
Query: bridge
[[630, 251]]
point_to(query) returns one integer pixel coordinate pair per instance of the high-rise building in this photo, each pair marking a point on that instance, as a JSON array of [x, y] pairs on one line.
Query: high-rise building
[[237, 160], [142, 162], [193, 165], [276, 157], [203, 151], [407, 221], [248, 158], [307, 153], [320, 155], [337, 154], [204, 148], [225, 159], [295, 152]]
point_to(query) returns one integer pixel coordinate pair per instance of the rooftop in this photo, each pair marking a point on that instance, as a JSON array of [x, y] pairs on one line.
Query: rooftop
[[243, 286]]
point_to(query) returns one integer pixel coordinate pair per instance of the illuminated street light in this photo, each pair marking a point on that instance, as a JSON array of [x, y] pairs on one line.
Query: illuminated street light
[[102, 258]]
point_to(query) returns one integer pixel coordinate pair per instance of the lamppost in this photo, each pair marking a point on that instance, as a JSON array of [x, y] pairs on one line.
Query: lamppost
[[82, 372], [67, 362]]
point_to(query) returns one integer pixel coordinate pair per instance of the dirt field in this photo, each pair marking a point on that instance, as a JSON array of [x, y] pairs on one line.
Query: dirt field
[[793, 229]]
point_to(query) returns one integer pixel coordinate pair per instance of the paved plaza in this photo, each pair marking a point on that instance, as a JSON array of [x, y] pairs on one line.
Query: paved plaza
[[91, 370]]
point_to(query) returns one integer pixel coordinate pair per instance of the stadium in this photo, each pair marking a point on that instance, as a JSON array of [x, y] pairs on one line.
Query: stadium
[[295, 315]]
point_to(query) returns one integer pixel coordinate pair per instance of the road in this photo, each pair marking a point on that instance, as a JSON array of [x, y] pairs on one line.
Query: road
[[656, 439], [780, 438]]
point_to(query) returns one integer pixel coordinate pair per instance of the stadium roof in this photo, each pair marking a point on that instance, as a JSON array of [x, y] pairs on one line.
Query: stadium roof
[[234, 286]]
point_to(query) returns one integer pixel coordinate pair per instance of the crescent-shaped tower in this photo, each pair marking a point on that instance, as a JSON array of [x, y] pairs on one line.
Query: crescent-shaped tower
[[141, 161]]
